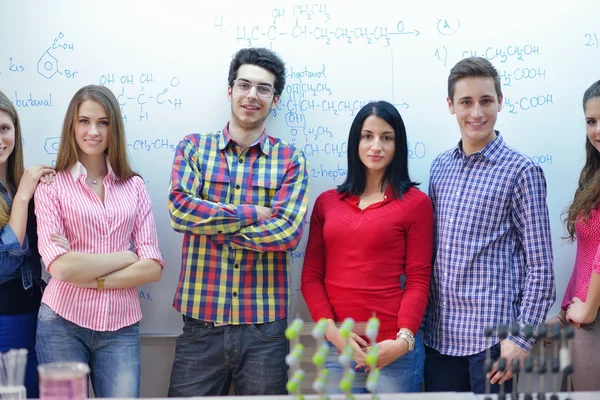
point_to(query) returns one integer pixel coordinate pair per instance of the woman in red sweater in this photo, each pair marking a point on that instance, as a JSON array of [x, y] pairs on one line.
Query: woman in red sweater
[[369, 253]]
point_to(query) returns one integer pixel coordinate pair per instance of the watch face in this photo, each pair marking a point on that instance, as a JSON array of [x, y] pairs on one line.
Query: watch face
[[408, 338]]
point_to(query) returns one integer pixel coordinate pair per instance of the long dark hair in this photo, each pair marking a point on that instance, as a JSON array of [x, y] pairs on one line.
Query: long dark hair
[[396, 174], [587, 195]]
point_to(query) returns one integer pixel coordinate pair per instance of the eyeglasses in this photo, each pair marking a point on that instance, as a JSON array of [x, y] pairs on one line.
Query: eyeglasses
[[244, 87]]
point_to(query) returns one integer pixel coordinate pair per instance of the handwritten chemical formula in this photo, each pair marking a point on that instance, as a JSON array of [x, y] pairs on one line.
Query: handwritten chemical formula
[[131, 96], [504, 54], [48, 65], [314, 22], [526, 103]]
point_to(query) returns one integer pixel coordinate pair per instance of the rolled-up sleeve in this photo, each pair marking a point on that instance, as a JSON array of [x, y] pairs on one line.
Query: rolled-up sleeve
[[49, 221], [144, 234], [11, 251]]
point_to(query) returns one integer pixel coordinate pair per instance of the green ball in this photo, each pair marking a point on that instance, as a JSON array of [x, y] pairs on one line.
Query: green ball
[[292, 386], [318, 360], [345, 385], [291, 333], [345, 332], [371, 359]]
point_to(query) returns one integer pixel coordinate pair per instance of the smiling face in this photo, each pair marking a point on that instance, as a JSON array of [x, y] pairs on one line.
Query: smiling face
[[249, 111], [377, 145], [476, 105], [92, 129], [592, 121], [7, 136]]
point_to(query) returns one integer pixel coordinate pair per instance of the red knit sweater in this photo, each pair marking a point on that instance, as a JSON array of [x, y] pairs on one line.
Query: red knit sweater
[[354, 260]]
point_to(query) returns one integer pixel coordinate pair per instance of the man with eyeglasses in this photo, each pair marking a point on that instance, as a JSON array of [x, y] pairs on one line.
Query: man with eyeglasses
[[239, 196]]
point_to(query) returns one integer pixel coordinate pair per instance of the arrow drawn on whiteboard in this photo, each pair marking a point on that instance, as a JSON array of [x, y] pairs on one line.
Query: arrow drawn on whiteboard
[[403, 105], [415, 32], [400, 30]]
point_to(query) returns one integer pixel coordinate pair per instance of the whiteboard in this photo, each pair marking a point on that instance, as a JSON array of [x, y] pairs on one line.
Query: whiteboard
[[167, 63]]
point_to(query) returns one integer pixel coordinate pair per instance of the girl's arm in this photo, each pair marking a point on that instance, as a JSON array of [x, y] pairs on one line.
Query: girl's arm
[[72, 267], [149, 267], [139, 273]]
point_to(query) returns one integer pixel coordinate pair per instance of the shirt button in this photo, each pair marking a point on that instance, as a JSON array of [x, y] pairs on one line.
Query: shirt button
[[236, 266], [234, 294], [240, 160], [445, 274], [445, 303], [457, 193], [447, 247], [237, 187], [451, 219]]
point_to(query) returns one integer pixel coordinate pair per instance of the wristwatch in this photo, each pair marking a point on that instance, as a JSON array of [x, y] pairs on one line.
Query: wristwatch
[[408, 337], [100, 282]]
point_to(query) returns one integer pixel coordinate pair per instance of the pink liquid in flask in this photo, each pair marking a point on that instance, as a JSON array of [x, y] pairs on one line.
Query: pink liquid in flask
[[63, 381]]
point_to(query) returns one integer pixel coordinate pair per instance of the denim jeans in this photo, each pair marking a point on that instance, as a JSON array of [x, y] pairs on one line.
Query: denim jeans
[[18, 332], [445, 373], [208, 359], [113, 357], [404, 375]]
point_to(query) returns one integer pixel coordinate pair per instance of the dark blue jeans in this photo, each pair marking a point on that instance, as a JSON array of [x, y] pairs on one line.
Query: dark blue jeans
[[209, 359], [459, 374], [18, 332]]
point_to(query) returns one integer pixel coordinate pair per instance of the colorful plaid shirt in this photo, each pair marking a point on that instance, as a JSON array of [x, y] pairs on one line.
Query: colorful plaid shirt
[[493, 262], [234, 268]]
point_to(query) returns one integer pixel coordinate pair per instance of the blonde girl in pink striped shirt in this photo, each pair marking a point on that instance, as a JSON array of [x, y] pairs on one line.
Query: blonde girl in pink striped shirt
[[97, 238]]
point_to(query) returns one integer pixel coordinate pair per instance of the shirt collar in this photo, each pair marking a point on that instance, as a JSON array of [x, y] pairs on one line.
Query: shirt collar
[[78, 169], [492, 151], [262, 141]]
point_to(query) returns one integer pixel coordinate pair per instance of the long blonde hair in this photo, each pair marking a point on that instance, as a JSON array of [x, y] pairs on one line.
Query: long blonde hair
[[117, 148], [14, 168]]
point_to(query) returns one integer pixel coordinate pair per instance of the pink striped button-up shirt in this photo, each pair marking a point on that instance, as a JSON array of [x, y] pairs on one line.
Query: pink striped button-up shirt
[[68, 207]]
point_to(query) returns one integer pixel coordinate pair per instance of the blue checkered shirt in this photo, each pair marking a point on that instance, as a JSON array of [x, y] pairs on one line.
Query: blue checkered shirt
[[493, 259]]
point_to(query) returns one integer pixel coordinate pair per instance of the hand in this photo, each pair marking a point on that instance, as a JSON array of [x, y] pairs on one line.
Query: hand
[[30, 179], [48, 178], [578, 313], [559, 320], [264, 213], [508, 351], [389, 351], [61, 241], [332, 333]]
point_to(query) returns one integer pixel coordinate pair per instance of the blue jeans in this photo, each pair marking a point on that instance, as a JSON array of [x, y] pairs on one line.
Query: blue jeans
[[18, 332], [113, 357], [404, 375], [445, 373], [209, 359]]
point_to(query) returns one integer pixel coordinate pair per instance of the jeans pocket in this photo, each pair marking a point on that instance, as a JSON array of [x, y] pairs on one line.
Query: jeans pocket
[[46, 313], [271, 331], [192, 330]]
